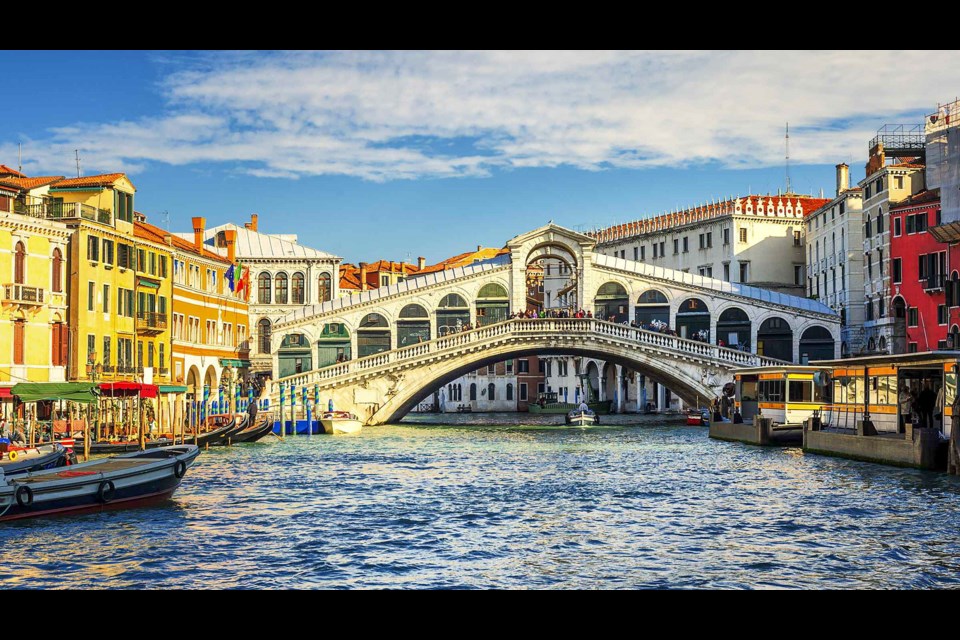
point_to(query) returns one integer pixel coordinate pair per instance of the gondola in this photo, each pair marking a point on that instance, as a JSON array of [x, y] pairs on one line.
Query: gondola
[[117, 482], [262, 427], [124, 446], [22, 460], [210, 437], [240, 422]]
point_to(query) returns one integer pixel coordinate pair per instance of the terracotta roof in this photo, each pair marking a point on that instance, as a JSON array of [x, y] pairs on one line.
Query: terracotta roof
[[29, 183], [905, 165], [464, 259], [90, 181], [349, 277], [156, 234], [928, 196], [667, 221], [4, 169]]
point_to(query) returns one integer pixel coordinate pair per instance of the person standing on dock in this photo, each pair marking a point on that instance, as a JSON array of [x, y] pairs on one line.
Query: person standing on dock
[[925, 404], [906, 405]]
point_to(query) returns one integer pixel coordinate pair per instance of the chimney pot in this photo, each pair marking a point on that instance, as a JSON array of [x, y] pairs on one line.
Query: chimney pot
[[479, 247], [363, 276], [843, 178], [253, 222], [421, 263], [199, 225], [230, 238]]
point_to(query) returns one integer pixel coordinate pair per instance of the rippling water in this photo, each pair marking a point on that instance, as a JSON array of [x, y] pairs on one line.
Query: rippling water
[[638, 504]]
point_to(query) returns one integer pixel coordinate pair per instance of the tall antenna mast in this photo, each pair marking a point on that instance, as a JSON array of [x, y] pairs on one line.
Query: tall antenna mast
[[788, 158], [76, 153], [20, 157]]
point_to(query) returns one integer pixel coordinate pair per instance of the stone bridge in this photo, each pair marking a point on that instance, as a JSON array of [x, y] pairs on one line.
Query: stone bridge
[[405, 340]]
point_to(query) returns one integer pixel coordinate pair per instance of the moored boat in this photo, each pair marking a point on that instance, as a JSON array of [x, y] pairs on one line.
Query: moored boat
[[581, 418], [262, 427], [340, 422], [23, 459], [698, 417], [128, 480]]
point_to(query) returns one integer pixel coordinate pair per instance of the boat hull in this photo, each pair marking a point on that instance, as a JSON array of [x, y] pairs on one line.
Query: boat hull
[[341, 426], [42, 457], [582, 419], [602, 407], [137, 479]]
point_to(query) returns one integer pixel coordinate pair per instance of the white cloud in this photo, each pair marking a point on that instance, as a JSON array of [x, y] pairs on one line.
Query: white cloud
[[386, 116]]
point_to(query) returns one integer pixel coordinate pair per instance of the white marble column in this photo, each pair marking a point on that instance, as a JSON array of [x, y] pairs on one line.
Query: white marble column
[[618, 377]]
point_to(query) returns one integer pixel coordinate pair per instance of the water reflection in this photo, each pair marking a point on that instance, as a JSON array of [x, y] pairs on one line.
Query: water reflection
[[472, 503]]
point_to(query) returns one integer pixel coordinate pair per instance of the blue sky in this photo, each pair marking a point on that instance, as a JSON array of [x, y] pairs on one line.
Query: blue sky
[[395, 155]]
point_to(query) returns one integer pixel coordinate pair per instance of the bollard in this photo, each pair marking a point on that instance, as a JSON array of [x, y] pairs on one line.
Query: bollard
[[306, 405], [282, 429]]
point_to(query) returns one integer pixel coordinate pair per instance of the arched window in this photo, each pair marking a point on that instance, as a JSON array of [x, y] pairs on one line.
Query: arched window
[[325, 293], [373, 335], [263, 288], [491, 392], [473, 391], [263, 335], [297, 289], [652, 309], [280, 293], [509, 391], [19, 262], [57, 278], [816, 343], [413, 326], [493, 305], [611, 303], [452, 314]]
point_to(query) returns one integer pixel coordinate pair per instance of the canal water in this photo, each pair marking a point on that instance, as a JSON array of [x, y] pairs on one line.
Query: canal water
[[642, 501]]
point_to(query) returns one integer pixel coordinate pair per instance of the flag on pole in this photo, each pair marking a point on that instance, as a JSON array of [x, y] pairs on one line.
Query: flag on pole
[[246, 283], [229, 276]]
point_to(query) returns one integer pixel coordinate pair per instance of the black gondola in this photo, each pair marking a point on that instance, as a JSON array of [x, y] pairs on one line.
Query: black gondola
[[240, 422], [263, 426]]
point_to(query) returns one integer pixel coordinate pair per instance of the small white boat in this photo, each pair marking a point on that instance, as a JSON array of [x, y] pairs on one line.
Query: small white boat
[[340, 422], [582, 418]]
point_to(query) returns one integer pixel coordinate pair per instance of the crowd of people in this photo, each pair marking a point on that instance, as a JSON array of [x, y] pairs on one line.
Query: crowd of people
[[919, 407], [551, 313]]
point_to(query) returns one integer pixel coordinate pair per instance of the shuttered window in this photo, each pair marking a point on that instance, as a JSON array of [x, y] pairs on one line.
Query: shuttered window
[[18, 328]]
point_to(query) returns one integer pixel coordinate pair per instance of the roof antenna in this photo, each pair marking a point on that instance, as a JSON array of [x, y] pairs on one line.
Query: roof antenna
[[788, 158], [19, 157], [76, 153], [166, 220]]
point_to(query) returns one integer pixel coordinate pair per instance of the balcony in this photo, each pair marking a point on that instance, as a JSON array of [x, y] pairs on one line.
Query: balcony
[[151, 323], [934, 283], [23, 295], [108, 368], [71, 210]]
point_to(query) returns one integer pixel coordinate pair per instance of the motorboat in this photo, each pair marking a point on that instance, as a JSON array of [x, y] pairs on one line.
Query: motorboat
[[340, 422], [698, 417], [17, 460], [581, 418], [128, 480]]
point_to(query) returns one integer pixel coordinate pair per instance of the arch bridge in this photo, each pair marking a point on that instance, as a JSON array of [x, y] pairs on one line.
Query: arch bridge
[[382, 351]]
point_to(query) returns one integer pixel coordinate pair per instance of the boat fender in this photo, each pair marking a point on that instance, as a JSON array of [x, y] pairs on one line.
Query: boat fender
[[24, 490], [179, 468], [105, 491], [13, 455]]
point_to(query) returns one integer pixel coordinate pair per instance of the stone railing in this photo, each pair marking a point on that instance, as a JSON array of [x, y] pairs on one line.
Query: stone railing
[[451, 345]]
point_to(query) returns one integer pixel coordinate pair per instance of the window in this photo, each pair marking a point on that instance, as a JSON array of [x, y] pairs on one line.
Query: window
[[709, 239], [124, 257], [473, 391], [106, 298], [163, 359], [942, 314], [898, 182], [509, 391], [139, 356], [912, 347], [58, 344], [705, 271], [523, 366], [642, 253], [491, 392], [153, 263], [879, 220], [897, 228], [796, 238], [726, 236], [384, 281], [676, 246], [911, 225], [297, 289], [880, 262], [702, 241], [662, 252], [263, 288], [280, 292], [509, 367], [93, 248], [897, 270], [163, 268], [726, 271], [797, 274], [541, 387], [57, 275], [107, 252], [491, 369], [540, 365], [921, 222], [150, 353], [869, 265], [263, 335], [686, 244], [867, 227], [635, 251], [141, 260], [878, 184], [912, 317], [743, 234], [91, 295], [922, 262], [325, 294], [654, 249], [866, 193], [523, 391], [124, 206], [744, 271], [91, 348], [868, 307], [18, 327]]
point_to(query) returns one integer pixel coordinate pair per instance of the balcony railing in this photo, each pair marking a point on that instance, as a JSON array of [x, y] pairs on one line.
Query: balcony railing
[[151, 321], [108, 368], [22, 294], [934, 282], [62, 210]]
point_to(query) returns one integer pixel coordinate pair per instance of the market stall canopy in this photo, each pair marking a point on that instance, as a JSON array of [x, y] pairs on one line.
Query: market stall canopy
[[126, 389], [71, 391], [5, 393], [172, 388]]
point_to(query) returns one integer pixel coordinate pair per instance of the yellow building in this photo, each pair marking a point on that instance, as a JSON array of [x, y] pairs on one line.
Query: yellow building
[[209, 322], [119, 287], [33, 298]]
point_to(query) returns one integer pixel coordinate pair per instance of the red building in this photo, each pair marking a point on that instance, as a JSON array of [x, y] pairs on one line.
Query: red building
[[920, 272]]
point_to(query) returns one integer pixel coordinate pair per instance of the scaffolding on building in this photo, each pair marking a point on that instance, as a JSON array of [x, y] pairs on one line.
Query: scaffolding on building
[[900, 141], [942, 129]]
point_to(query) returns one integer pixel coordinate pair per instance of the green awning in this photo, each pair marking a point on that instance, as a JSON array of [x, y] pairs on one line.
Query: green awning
[[150, 284], [72, 391], [232, 362], [171, 388]]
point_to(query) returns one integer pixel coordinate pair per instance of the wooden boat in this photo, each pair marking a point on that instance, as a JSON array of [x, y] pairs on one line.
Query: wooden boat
[[123, 446], [23, 459], [340, 422], [128, 480], [548, 402], [698, 417], [263, 426], [240, 422], [582, 418]]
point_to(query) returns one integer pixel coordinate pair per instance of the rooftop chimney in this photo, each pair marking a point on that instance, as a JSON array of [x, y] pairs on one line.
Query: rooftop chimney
[[363, 276], [479, 248], [199, 225], [167, 238], [421, 263], [252, 225], [843, 178], [230, 238]]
